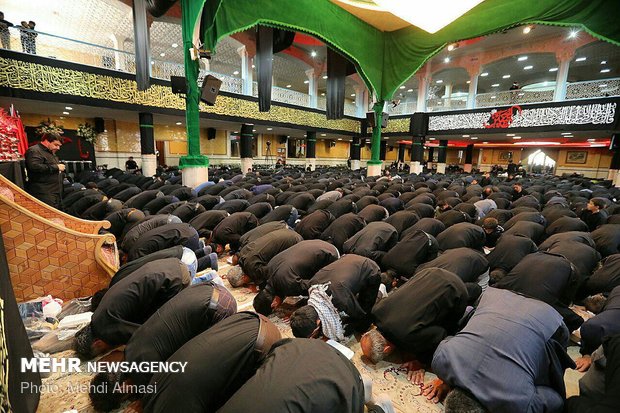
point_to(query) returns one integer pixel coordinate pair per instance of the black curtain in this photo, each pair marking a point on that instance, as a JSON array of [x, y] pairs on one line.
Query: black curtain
[[355, 151], [268, 42], [73, 148], [17, 347], [142, 45], [338, 67]]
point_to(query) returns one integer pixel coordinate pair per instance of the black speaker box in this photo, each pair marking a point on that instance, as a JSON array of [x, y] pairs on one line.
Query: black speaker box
[[282, 139], [332, 144], [372, 122], [419, 124], [211, 133], [99, 125], [210, 89], [178, 84]]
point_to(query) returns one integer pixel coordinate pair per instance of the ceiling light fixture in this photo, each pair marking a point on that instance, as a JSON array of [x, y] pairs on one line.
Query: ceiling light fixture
[[68, 108], [603, 85], [553, 69], [516, 137], [179, 123], [325, 77], [495, 85], [451, 47], [605, 70], [236, 72], [591, 140], [352, 95], [473, 138], [175, 45], [253, 66], [430, 16], [439, 81], [528, 67], [603, 62], [510, 134], [162, 54], [313, 53], [580, 59], [527, 29], [506, 77], [446, 60], [493, 97], [306, 82], [322, 94], [402, 87], [409, 90], [484, 74], [466, 136], [485, 142], [253, 130], [566, 133], [323, 134], [522, 58], [65, 113], [288, 85], [573, 34], [269, 128], [339, 139], [62, 117], [431, 139], [468, 82]]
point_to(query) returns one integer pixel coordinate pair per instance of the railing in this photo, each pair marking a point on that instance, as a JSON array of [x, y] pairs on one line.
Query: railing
[[441, 104], [593, 89], [513, 97], [404, 108]]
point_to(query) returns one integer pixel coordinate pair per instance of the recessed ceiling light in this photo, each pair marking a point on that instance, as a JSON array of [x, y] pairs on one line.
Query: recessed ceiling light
[[323, 134], [269, 128], [431, 139], [545, 83], [603, 62], [236, 131], [506, 76], [339, 139], [522, 58], [322, 94], [402, 87], [603, 85], [451, 47], [352, 95], [605, 70], [591, 140], [288, 85], [68, 108], [580, 59], [466, 136], [152, 62], [253, 130], [446, 60], [553, 69], [528, 67], [495, 85], [236, 72], [65, 113], [62, 117], [485, 142], [325, 77], [521, 94], [439, 81], [484, 74], [162, 54], [573, 34], [516, 137], [253, 66], [175, 45], [179, 123], [306, 82], [527, 29], [510, 134], [473, 138], [468, 82], [313, 53], [288, 136], [493, 97], [566, 133], [409, 90]]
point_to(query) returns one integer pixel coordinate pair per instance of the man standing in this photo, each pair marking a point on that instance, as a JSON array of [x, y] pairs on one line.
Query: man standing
[[43, 170], [131, 166]]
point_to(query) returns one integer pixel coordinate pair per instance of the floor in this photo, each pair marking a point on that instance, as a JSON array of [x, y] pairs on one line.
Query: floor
[[63, 392]]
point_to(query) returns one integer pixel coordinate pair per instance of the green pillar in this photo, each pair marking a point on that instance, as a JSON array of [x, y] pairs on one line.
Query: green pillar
[[191, 10], [376, 134]]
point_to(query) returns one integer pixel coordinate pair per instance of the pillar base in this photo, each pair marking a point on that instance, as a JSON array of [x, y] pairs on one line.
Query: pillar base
[[617, 180], [311, 162], [149, 165], [467, 167], [355, 164], [415, 167], [441, 168], [612, 174], [246, 163], [374, 170], [195, 175]]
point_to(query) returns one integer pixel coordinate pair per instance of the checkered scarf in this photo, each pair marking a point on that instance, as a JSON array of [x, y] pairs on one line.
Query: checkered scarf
[[331, 324]]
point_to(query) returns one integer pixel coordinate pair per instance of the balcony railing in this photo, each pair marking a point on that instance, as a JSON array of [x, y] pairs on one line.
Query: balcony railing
[[76, 51]]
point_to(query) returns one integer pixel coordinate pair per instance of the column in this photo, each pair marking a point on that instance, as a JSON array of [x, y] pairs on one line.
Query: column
[[246, 71], [563, 57], [360, 101], [313, 87], [441, 156], [355, 153], [382, 153], [431, 155], [245, 147], [469, 155], [195, 166], [120, 59], [614, 168], [311, 150], [423, 83], [401, 153], [417, 154], [290, 149], [474, 73], [147, 144], [374, 164]]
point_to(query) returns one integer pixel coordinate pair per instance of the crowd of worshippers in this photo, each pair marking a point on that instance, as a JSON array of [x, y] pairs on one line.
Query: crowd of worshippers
[[470, 277]]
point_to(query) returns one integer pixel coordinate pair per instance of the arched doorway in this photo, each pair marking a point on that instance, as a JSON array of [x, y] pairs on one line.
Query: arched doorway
[[540, 162]]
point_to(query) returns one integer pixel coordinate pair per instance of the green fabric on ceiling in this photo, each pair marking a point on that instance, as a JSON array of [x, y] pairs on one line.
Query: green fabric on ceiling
[[359, 41], [384, 69]]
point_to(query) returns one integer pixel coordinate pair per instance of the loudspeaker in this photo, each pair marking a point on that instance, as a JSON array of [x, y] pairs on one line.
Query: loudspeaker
[[99, 125], [332, 144], [419, 124], [282, 139], [211, 133], [210, 89], [178, 84], [372, 122], [615, 142]]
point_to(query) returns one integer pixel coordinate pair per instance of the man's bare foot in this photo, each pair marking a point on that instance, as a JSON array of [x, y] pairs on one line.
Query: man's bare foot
[[435, 391], [583, 363]]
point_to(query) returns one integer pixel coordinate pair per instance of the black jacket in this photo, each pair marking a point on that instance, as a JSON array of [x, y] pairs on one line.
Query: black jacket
[[42, 167]]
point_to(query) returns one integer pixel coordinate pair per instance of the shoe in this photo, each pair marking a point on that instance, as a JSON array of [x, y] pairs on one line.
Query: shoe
[[382, 404], [213, 258]]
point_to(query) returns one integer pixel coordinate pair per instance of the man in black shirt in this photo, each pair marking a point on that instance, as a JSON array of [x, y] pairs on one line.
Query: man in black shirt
[[44, 170], [129, 303], [131, 166]]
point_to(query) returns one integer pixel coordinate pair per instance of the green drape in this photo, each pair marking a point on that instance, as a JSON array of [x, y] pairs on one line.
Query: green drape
[[385, 60]]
